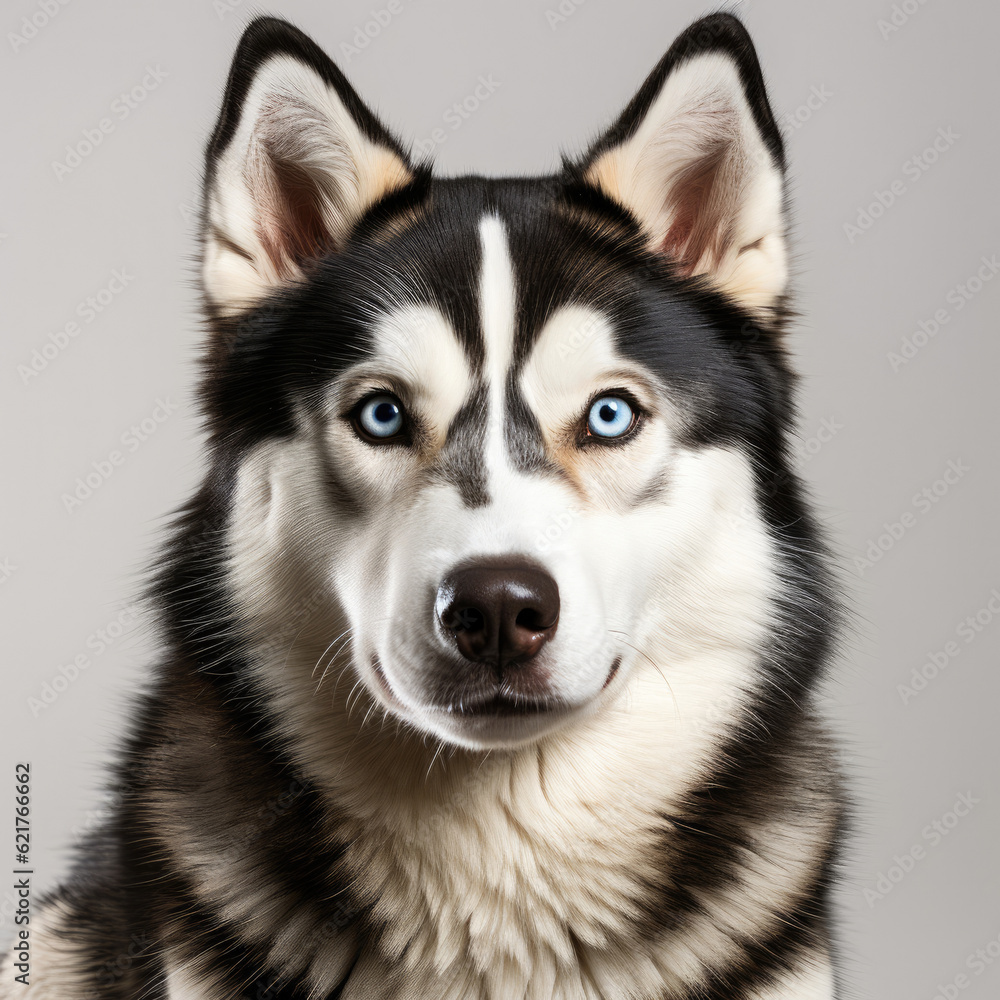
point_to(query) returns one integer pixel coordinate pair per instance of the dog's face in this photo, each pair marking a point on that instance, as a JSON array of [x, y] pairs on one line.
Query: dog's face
[[509, 431]]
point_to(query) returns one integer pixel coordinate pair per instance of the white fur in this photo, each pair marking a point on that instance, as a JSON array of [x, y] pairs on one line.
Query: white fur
[[56, 970], [812, 981], [498, 305], [181, 985]]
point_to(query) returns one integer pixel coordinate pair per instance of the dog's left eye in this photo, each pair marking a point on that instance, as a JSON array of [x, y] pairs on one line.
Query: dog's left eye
[[610, 417], [379, 417]]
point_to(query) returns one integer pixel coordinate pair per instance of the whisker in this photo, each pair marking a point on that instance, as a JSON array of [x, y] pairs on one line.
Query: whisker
[[650, 660]]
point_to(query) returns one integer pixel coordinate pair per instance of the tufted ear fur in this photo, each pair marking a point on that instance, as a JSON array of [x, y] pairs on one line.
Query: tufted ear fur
[[295, 161], [697, 158]]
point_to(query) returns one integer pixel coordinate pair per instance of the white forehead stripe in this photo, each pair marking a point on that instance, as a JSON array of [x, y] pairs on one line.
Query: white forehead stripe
[[498, 307]]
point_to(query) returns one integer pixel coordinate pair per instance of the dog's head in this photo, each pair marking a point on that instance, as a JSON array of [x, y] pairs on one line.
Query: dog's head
[[509, 442]]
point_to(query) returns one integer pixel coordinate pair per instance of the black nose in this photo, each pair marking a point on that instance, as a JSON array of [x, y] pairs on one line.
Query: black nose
[[499, 614]]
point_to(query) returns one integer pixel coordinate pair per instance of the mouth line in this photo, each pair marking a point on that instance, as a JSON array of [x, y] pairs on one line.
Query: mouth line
[[504, 705], [498, 704], [383, 680], [612, 672], [501, 704]]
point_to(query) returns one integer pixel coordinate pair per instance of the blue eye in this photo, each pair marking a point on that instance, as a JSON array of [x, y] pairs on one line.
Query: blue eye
[[610, 417], [381, 417]]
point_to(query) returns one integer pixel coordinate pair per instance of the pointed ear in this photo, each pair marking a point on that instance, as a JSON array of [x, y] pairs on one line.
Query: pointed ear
[[697, 158], [295, 161]]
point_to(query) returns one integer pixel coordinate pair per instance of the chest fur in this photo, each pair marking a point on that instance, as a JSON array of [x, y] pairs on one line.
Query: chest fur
[[506, 890]]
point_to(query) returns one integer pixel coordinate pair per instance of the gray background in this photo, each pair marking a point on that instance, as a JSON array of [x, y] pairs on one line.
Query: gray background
[[873, 438]]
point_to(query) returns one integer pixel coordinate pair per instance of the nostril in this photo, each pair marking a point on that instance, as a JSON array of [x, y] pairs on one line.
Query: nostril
[[534, 620], [466, 620], [499, 613]]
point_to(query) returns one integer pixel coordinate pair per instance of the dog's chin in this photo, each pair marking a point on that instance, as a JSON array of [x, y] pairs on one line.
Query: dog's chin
[[495, 720], [497, 725]]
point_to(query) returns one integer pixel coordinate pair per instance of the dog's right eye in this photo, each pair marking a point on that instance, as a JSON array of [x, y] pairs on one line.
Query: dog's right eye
[[610, 417], [379, 419]]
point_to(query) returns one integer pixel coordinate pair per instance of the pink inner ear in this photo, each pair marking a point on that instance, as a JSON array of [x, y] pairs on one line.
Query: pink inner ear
[[702, 203], [291, 224], [676, 242], [290, 221]]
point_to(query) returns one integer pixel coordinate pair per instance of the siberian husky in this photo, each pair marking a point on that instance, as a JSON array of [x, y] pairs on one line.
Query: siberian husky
[[490, 639]]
